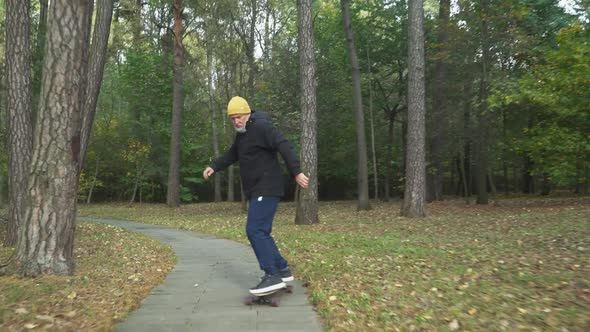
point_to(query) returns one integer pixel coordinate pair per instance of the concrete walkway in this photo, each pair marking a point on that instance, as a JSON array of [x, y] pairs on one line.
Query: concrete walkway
[[207, 288]]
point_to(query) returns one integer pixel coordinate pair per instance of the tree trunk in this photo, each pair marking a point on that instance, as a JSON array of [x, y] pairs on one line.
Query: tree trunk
[[19, 123], [38, 54], [89, 198], [230, 184], [47, 241], [389, 160], [414, 196], [138, 178], [373, 149], [307, 204], [467, 140], [362, 167], [482, 142], [97, 59], [251, 47], [214, 131], [438, 138], [173, 197]]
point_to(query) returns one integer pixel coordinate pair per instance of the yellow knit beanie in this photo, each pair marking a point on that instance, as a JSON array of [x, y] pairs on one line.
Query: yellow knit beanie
[[238, 105]]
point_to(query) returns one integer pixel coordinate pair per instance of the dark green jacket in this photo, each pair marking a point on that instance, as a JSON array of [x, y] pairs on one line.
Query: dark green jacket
[[256, 152]]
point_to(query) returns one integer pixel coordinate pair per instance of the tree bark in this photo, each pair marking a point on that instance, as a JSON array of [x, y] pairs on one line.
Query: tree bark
[[38, 53], [414, 195], [373, 149], [95, 178], [482, 142], [173, 197], [97, 58], [307, 204], [438, 138], [19, 124], [212, 109], [46, 243], [362, 167]]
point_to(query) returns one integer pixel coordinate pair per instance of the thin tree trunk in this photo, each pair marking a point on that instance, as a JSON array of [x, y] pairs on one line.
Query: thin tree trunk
[[138, 176], [390, 139], [230, 184], [482, 142], [250, 43], [467, 140], [214, 131], [173, 197], [373, 149], [491, 182], [46, 243], [466, 191], [415, 190], [307, 204], [438, 139], [97, 59], [19, 122], [89, 198], [362, 167]]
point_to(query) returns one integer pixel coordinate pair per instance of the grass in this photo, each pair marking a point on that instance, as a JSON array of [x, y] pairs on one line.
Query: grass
[[518, 264], [115, 271]]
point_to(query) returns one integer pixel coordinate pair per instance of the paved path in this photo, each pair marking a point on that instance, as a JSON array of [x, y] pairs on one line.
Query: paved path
[[206, 290]]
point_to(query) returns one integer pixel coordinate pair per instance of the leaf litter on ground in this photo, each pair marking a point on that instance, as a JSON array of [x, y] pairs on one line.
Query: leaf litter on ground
[[516, 264], [115, 270]]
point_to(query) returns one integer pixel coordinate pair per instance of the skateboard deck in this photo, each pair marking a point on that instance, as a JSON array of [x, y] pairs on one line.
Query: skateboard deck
[[272, 298]]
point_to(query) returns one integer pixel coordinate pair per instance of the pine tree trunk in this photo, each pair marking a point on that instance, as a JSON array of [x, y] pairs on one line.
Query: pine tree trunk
[[373, 149], [173, 197], [438, 138], [482, 142], [19, 123], [46, 243], [415, 190], [95, 178], [362, 167], [389, 159], [307, 204], [97, 59], [214, 130]]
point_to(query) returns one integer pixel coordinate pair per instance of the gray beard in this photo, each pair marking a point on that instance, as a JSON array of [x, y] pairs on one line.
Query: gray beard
[[240, 130]]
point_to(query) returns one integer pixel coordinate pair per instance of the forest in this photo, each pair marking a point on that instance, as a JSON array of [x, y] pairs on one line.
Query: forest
[[460, 128], [506, 95]]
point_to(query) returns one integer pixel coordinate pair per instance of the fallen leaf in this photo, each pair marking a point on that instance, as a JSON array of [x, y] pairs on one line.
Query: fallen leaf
[[454, 325], [45, 318]]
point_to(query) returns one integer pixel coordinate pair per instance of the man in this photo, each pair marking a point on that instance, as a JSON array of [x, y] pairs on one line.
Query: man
[[255, 148]]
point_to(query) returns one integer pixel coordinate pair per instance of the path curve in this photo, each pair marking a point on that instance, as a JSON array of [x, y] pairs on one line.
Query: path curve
[[206, 289]]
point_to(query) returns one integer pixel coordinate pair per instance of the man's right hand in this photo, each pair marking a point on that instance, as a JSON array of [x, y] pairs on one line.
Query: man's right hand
[[208, 172]]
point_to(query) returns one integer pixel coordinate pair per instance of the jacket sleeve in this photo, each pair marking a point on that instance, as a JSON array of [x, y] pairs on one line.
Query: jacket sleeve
[[279, 143], [228, 158]]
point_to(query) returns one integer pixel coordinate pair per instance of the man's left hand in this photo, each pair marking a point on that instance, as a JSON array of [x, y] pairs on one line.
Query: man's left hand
[[302, 180]]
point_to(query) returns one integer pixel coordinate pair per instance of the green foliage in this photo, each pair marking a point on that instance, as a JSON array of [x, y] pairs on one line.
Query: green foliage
[[557, 90]]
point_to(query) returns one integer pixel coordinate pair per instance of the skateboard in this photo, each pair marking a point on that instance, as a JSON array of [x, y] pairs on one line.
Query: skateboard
[[272, 298]]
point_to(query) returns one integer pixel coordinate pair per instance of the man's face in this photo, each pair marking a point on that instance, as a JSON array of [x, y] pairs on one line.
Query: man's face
[[239, 122]]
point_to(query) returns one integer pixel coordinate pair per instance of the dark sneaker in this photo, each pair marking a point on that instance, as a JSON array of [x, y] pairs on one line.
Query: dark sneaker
[[269, 283], [286, 275]]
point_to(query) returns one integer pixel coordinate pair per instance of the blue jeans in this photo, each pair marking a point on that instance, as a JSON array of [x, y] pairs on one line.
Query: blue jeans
[[258, 228]]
